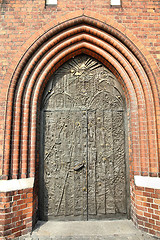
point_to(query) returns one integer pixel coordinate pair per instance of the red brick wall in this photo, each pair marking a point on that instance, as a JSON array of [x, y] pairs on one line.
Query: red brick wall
[[145, 205], [134, 29], [22, 19], [16, 213]]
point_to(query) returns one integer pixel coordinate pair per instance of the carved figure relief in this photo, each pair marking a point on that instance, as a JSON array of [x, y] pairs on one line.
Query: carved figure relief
[[84, 147]]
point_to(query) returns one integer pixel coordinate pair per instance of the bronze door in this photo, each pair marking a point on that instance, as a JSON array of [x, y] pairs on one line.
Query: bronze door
[[106, 168], [65, 165], [83, 157]]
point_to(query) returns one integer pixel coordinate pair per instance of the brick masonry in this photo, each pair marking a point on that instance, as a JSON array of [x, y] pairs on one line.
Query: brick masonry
[[35, 41], [145, 204], [16, 212]]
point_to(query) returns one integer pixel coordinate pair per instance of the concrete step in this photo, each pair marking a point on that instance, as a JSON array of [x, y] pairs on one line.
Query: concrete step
[[87, 230]]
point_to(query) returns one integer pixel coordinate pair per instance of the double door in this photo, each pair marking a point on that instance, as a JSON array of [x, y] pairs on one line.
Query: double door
[[84, 164]]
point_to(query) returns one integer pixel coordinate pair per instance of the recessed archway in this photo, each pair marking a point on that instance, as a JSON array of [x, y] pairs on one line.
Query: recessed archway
[[103, 42], [81, 35]]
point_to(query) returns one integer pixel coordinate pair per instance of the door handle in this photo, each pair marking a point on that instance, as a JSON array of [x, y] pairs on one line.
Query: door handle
[[78, 167]]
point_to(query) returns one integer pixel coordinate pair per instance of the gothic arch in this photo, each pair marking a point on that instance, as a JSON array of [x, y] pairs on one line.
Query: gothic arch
[[60, 43]]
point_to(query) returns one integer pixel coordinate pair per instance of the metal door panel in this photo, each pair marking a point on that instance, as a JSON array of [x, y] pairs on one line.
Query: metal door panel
[[92, 158], [100, 164], [83, 145], [100, 126], [64, 187], [119, 162]]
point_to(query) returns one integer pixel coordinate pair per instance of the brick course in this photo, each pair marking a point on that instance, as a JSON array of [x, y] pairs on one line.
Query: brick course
[[145, 205], [16, 212]]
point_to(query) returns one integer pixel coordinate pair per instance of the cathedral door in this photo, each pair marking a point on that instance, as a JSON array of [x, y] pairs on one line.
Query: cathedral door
[[83, 143]]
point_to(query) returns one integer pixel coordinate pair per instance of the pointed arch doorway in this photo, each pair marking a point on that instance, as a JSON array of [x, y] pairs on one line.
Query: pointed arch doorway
[[83, 166]]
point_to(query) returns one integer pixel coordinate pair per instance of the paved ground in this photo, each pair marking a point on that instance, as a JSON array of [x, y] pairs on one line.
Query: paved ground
[[91, 230]]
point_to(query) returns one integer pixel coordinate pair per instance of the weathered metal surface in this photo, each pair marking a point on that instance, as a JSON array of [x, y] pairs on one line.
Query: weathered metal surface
[[84, 146]]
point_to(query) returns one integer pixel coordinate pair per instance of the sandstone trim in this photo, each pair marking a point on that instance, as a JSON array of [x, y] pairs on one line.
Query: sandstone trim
[[16, 184], [148, 182]]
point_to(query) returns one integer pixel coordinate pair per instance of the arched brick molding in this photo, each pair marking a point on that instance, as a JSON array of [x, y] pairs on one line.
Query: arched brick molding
[[60, 43], [49, 50]]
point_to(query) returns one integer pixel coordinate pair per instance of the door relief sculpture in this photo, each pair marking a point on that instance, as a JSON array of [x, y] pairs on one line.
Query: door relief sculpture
[[83, 156]]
